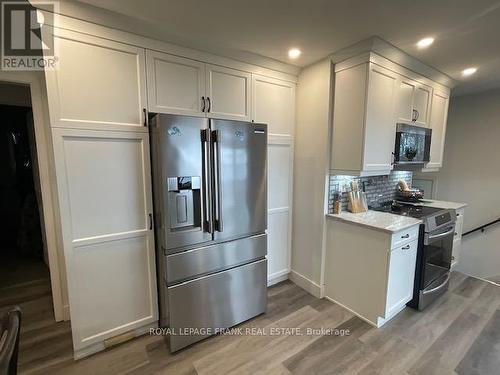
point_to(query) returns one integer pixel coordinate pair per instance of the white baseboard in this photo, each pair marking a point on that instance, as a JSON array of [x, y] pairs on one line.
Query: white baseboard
[[277, 277], [66, 315], [306, 284]]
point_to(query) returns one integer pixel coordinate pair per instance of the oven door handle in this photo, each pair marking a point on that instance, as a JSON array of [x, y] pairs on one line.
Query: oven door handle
[[441, 286], [430, 239]]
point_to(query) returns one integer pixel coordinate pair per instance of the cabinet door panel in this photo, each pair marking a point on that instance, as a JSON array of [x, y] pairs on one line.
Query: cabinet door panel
[[438, 118], [274, 104], [457, 248], [99, 84], [422, 104], [175, 85], [401, 276], [380, 127], [279, 187], [404, 101], [104, 189], [278, 254], [229, 91]]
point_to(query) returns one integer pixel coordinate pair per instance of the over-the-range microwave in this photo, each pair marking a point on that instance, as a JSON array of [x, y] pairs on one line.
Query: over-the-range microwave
[[413, 144]]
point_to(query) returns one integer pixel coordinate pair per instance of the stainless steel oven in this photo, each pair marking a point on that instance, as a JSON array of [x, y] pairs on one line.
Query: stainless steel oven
[[434, 258]]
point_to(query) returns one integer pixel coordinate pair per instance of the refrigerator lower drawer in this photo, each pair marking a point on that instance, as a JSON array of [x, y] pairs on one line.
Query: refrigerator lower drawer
[[199, 307], [209, 259]]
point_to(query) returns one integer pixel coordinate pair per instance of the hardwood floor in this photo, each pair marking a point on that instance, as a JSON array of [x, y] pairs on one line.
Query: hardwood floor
[[458, 334]]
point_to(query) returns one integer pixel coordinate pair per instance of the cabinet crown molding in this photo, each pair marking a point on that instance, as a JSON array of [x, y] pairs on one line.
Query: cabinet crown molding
[[375, 46]]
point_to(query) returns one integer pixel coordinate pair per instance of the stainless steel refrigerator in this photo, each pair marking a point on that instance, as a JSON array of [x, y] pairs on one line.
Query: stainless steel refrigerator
[[210, 197]]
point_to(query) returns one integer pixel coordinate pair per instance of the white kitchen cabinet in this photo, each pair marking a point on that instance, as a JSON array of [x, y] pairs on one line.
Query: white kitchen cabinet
[[368, 271], [422, 104], [370, 97], [175, 85], [457, 238], [380, 127], [229, 93], [438, 118], [364, 125], [273, 104], [104, 188], [413, 101], [404, 102], [187, 87], [99, 84], [401, 277]]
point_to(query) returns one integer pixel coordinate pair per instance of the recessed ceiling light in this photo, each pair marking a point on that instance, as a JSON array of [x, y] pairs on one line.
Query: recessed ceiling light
[[469, 71], [424, 43], [294, 53]]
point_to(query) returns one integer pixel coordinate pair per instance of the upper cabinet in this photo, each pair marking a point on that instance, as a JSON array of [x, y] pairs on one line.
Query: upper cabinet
[[228, 93], [82, 91], [422, 104], [175, 85], [188, 87], [363, 120], [413, 102], [369, 99], [274, 104], [439, 115]]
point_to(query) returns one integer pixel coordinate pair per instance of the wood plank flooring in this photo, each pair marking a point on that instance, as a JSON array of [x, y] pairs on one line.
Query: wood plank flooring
[[458, 334]]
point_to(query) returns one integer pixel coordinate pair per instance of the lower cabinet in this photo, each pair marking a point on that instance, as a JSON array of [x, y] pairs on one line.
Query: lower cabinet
[[103, 181], [402, 260], [457, 239], [368, 271]]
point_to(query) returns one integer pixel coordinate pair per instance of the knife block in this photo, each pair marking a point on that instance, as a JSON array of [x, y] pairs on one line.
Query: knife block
[[357, 202]]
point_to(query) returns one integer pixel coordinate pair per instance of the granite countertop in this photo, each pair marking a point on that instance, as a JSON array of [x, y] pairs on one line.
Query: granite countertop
[[440, 204], [382, 221]]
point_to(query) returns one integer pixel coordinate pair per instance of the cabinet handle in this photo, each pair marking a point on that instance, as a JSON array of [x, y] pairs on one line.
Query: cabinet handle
[[150, 221], [407, 247], [209, 104], [145, 111], [203, 101], [407, 235]]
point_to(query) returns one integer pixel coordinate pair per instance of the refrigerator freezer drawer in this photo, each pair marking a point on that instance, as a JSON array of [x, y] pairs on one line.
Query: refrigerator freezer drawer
[[218, 301], [210, 259]]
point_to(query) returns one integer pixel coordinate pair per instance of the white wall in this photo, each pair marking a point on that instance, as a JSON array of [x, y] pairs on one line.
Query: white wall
[[310, 175], [471, 174]]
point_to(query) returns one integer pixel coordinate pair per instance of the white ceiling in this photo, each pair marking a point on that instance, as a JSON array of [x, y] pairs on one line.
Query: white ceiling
[[467, 32]]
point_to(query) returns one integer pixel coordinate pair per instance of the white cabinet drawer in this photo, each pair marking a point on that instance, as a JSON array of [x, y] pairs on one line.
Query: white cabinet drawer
[[404, 236]]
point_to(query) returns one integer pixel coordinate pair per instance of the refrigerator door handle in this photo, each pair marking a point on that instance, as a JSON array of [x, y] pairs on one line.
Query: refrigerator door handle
[[207, 211], [217, 192]]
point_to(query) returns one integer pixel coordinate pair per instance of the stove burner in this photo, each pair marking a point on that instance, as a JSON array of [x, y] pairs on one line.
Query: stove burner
[[410, 210]]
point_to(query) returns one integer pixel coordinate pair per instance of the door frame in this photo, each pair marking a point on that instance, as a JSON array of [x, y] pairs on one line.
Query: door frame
[[41, 124]]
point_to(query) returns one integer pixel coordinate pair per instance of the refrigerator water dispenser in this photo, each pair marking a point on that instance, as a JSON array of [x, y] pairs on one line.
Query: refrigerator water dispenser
[[184, 202]]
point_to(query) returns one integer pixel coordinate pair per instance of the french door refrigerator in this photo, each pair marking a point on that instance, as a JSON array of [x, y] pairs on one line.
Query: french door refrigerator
[[210, 197]]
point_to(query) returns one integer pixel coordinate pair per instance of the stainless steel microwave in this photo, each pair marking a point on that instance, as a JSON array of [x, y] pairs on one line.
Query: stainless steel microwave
[[413, 144]]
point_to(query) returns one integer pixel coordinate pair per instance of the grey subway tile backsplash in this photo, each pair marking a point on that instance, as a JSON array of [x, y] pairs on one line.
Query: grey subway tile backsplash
[[378, 188]]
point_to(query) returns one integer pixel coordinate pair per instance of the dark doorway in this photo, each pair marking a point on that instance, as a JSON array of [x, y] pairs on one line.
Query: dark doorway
[[21, 250]]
